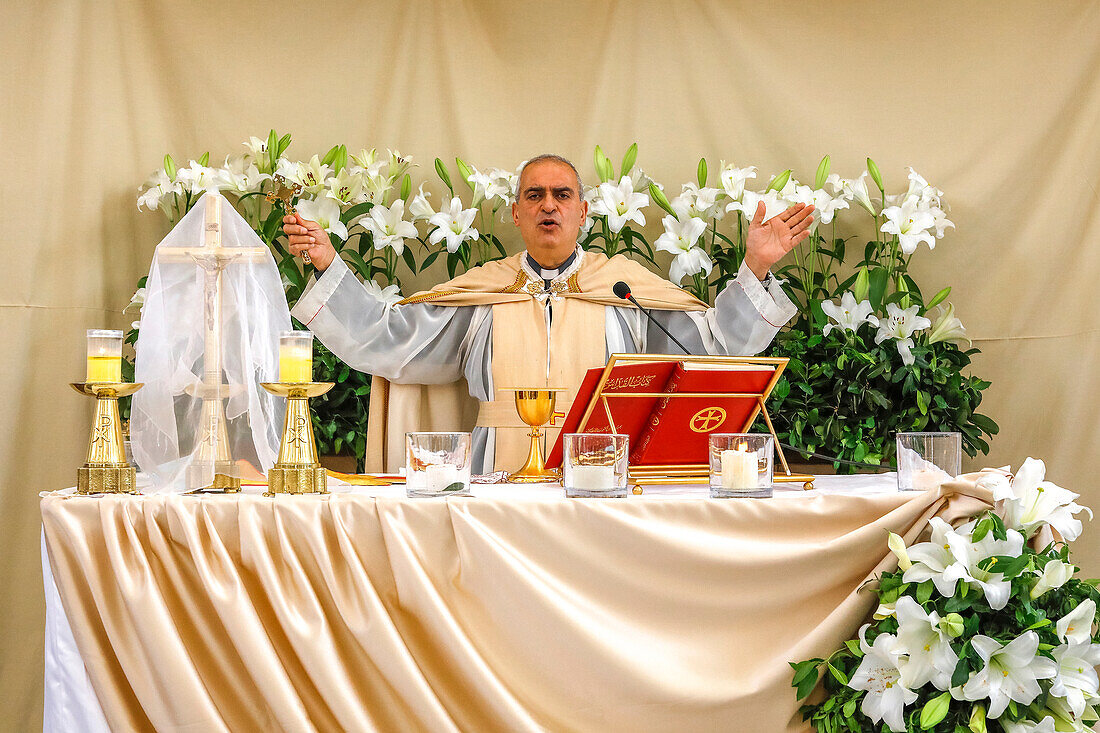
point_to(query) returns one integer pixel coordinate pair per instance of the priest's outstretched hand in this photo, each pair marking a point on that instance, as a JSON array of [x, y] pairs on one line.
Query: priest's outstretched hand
[[768, 241], [308, 236]]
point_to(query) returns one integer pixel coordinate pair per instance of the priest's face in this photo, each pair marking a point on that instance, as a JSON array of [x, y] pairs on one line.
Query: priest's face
[[549, 211]]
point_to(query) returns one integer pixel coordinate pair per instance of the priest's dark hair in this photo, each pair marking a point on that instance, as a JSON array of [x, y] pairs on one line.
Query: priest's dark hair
[[556, 159]]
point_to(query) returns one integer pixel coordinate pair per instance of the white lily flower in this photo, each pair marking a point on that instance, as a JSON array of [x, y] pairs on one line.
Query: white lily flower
[[701, 203], [849, 315], [312, 175], [733, 179], [639, 181], [1030, 502], [1076, 681], [398, 164], [365, 158], [156, 190], [620, 204], [825, 206], [946, 326], [900, 325], [388, 295], [940, 221], [774, 204], [502, 185], [419, 207], [1055, 574], [921, 189], [325, 212], [1076, 626], [930, 559], [388, 227], [968, 554], [453, 223], [885, 610], [1046, 725], [1066, 720], [346, 186], [856, 188], [240, 175], [1011, 672], [679, 238], [879, 675], [910, 222], [925, 646], [836, 185], [257, 149], [289, 170], [198, 178]]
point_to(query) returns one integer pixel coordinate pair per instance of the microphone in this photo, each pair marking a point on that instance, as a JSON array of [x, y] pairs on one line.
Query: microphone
[[622, 290]]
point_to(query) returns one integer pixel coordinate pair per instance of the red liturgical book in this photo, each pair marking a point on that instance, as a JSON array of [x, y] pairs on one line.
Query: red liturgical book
[[672, 429]]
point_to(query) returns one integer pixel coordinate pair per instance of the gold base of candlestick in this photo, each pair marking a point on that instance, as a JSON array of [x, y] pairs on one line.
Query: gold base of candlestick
[[297, 470], [106, 471], [535, 407]]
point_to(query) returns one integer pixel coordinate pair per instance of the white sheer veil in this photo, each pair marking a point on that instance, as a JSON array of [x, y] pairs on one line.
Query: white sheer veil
[[168, 419]]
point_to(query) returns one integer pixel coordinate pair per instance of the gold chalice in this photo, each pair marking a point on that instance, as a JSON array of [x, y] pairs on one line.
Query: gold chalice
[[535, 407]]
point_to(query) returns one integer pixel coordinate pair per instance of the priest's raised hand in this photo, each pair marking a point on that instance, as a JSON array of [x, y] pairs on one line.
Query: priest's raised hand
[[768, 241], [308, 236]]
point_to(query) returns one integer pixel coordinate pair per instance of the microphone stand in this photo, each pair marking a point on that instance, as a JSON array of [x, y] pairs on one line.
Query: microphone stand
[[624, 293]]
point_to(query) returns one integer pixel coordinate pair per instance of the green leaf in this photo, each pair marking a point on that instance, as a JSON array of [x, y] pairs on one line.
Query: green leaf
[[701, 172], [441, 171], [924, 591], [354, 212], [838, 675], [822, 173], [879, 279], [875, 175], [430, 259], [853, 647], [629, 159], [985, 424], [922, 403], [456, 486], [938, 298], [407, 255]]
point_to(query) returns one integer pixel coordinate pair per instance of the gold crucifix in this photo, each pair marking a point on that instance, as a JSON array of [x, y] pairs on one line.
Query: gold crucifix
[[283, 198]]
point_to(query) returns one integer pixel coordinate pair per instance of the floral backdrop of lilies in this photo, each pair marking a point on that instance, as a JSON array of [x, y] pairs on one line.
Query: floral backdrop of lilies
[[870, 356]]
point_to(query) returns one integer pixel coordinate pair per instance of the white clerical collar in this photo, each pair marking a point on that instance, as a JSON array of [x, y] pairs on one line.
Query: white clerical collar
[[535, 271]]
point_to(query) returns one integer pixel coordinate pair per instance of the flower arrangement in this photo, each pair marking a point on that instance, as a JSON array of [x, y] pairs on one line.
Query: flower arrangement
[[868, 355], [976, 626]]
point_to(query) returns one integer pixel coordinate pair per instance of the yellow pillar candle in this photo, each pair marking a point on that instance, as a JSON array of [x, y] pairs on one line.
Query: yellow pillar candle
[[104, 356], [296, 356]]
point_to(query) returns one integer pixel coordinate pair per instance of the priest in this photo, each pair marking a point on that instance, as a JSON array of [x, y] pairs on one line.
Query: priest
[[539, 318]]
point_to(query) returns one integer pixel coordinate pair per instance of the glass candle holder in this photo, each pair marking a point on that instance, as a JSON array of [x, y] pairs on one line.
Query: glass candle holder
[[926, 460], [104, 356], [437, 464], [595, 465], [296, 356], [741, 465]]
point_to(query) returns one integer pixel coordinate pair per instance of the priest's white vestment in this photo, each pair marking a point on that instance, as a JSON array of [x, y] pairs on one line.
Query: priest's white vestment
[[447, 334]]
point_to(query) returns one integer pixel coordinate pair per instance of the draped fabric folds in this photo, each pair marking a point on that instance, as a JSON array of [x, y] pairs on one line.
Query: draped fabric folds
[[348, 612]]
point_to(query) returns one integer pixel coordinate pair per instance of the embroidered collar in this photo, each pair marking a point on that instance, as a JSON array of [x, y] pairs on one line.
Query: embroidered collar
[[537, 272]]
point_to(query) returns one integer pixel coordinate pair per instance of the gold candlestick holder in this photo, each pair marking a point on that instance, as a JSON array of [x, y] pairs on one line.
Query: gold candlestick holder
[[535, 407], [297, 470], [106, 471]]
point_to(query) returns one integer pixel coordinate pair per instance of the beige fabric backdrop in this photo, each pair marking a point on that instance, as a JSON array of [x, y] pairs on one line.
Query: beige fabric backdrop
[[997, 104]]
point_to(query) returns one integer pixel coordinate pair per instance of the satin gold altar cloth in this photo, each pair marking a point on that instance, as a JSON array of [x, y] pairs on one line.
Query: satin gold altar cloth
[[351, 612]]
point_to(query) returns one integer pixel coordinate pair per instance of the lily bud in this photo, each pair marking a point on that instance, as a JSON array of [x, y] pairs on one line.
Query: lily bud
[[465, 171], [953, 624], [977, 719], [441, 171], [875, 175], [659, 196], [205, 159], [935, 710], [603, 165], [701, 173], [862, 286], [1055, 574], [629, 159], [779, 181], [284, 141], [822, 173], [406, 187], [170, 167], [901, 286], [897, 546]]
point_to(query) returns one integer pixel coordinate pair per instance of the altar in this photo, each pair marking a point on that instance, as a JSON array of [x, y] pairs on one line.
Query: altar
[[513, 609]]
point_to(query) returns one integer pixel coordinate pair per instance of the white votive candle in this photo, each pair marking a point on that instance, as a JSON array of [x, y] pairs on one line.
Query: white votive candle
[[438, 476], [594, 478], [739, 469]]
